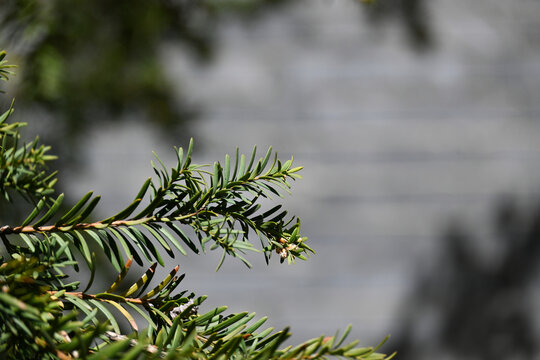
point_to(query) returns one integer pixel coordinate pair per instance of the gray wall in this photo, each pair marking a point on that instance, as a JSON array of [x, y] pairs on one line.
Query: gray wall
[[395, 144]]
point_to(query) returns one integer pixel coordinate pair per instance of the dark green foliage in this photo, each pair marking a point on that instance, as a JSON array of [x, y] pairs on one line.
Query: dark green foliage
[[22, 167], [32, 319], [46, 314]]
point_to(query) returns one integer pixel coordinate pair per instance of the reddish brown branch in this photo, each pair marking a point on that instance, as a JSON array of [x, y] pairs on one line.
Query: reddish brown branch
[[55, 228], [112, 297], [6, 229]]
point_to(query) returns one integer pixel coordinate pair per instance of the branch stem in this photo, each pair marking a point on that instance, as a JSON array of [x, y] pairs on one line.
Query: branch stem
[[7, 230], [85, 296]]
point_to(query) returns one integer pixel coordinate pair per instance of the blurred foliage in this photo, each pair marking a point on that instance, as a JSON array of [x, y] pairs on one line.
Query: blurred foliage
[[478, 300], [68, 52]]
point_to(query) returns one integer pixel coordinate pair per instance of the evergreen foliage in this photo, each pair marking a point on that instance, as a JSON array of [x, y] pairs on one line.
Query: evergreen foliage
[[46, 314]]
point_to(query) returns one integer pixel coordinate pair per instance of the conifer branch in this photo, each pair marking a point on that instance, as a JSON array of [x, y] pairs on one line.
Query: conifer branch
[[43, 315]]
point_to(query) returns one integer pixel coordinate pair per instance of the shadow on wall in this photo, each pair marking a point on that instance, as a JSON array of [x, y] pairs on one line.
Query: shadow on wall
[[476, 302], [412, 14]]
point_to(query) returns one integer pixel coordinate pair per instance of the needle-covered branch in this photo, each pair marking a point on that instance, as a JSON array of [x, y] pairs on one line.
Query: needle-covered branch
[[23, 167], [220, 208], [46, 313]]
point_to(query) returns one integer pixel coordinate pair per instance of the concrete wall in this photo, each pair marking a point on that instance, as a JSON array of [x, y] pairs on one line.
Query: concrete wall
[[395, 144]]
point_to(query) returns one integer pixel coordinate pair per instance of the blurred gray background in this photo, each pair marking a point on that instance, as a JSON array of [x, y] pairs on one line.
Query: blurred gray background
[[399, 145]]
